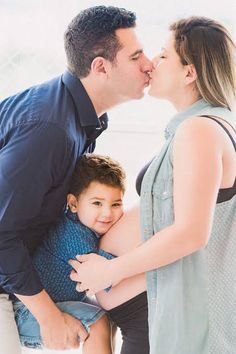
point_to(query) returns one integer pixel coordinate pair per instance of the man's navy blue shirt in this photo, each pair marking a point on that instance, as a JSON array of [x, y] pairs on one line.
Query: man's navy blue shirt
[[43, 131]]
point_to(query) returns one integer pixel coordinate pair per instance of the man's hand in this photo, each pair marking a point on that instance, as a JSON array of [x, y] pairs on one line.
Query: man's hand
[[63, 332], [59, 330], [92, 273]]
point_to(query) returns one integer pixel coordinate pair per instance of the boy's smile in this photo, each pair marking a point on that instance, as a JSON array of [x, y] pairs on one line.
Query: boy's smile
[[99, 206]]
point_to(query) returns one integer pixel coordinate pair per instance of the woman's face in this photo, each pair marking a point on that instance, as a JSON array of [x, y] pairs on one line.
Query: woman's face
[[168, 75]]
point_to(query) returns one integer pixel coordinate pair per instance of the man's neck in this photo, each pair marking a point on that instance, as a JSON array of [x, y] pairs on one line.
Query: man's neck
[[96, 96]]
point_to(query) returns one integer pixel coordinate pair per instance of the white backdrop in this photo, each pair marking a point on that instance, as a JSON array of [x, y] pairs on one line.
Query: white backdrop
[[31, 51]]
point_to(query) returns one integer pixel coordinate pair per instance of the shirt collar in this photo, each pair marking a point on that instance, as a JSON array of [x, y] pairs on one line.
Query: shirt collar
[[87, 114], [192, 110]]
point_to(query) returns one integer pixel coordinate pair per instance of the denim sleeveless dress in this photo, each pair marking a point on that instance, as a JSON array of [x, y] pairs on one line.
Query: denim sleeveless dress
[[192, 302]]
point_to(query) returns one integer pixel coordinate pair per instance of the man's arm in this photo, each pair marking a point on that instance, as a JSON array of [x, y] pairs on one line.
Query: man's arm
[[31, 163], [28, 167]]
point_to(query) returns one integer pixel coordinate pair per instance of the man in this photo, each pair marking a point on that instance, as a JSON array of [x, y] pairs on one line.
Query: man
[[43, 131]]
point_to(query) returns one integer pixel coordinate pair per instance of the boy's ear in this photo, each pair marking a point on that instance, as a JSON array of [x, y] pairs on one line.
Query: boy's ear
[[191, 74], [72, 203]]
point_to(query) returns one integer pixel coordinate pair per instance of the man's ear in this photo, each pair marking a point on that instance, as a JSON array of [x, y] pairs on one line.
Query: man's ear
[[72, 202], [99, 66], [191, 74]]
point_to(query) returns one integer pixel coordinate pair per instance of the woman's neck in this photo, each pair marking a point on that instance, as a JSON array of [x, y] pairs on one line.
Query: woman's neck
[[186, 99]]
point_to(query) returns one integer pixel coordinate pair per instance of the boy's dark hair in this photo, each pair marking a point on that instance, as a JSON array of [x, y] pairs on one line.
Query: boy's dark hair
[[99, 168], [92, 33]]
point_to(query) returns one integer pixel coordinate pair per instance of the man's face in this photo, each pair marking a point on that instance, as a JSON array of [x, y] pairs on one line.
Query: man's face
[[129, 73]]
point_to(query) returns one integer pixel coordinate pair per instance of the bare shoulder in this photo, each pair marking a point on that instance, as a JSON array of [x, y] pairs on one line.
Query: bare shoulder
[[198, 122], [199, 129]]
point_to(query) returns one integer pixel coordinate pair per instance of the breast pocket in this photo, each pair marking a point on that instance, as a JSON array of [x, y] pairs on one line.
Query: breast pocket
[[163, 209]]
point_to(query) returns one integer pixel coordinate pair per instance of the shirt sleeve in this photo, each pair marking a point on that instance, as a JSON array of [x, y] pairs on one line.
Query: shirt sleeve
[[31, 160], [105, 254]]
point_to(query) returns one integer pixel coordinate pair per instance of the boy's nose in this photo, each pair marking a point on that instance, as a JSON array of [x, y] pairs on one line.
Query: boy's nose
[[106, 212]]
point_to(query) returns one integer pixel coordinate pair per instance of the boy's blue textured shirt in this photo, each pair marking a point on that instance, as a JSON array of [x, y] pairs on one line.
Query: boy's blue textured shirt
[[66, 240]]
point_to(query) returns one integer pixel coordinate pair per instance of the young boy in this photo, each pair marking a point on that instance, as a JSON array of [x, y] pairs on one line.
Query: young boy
[[94, 204]]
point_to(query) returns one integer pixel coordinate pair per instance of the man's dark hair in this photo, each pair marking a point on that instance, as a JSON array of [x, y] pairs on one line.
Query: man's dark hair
[[92, 33], [96, 168]]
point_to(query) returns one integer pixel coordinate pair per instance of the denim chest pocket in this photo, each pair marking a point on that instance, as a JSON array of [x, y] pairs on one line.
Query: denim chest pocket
[[162, 193]]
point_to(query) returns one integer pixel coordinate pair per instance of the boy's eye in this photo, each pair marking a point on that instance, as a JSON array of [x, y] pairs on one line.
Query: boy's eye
[[97, 203], [117, 205]]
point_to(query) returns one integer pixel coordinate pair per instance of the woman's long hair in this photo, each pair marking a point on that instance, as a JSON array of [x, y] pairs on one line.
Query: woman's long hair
[[207, 45]]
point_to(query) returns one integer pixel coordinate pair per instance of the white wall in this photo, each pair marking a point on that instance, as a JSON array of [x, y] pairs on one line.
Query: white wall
[[31, 51]]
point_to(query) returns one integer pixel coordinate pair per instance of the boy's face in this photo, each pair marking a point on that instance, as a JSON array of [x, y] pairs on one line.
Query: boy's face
[[99, 206]]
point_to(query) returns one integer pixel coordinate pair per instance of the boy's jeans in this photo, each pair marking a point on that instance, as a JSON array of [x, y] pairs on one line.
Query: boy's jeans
[[28, 327], [9, 338]]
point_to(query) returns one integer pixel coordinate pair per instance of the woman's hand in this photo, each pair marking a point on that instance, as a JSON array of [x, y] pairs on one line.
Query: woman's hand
[[93, 273]]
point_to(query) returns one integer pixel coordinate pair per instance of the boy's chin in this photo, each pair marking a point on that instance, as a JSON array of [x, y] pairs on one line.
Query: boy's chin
[[100, 231]]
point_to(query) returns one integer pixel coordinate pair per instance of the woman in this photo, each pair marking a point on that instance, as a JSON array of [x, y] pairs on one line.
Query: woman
[[188, 202]]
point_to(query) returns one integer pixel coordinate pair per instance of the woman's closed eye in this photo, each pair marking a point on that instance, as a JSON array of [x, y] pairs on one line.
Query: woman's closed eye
[[162, 53]]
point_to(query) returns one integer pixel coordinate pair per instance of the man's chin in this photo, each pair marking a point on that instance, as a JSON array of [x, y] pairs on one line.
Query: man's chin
[[136, 96], [139, 96]]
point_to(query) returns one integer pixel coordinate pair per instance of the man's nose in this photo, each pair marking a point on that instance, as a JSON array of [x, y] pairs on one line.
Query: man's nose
[[148, 65], [155, 61]]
